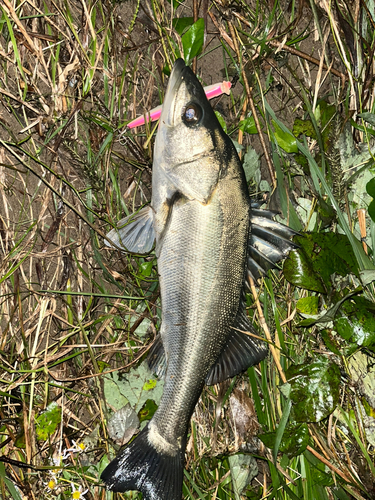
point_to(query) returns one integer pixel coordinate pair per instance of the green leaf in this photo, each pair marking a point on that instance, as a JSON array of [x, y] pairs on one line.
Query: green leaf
[[331, 342], [368, 117], [357, 322], [9, 484], [146, 268], [371, 210], [192, 40], [248, 125], [324, 113], [314, 389], [281, 428], [251, 165], [147, 411], [285, 139], [243, 469], [308, 305], [304, 127], [299, 271], [181, 23], [149, 384], [294, 441], [135, 387], [221, 121], [175, 3], [328, 315], [48, 421], [370, 187], [320, 256]]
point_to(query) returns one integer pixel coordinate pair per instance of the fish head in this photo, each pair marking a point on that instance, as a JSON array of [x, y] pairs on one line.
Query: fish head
[[189, 130]]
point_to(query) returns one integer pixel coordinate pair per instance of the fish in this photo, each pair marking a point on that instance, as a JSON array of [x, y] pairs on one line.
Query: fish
[[208, 240]]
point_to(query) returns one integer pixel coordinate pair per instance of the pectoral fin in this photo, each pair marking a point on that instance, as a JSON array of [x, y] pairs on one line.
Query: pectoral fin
[[240, 352], [134, 233]]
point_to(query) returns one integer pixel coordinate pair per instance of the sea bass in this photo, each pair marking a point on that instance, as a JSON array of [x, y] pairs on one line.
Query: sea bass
[[207, 239]]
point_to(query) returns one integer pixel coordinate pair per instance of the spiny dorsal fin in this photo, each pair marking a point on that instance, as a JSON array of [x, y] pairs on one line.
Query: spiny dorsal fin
[[269, 242]]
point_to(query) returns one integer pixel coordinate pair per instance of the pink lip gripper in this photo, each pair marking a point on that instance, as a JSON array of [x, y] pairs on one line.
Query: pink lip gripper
[[211, 91]]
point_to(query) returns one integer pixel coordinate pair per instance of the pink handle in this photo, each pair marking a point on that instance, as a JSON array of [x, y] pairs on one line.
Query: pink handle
[[211, 91]]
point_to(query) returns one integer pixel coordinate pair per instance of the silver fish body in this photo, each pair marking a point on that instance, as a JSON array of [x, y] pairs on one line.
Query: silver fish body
[[201, 220]]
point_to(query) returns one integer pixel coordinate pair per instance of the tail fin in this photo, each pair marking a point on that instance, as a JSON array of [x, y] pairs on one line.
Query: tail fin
[[141, 467]]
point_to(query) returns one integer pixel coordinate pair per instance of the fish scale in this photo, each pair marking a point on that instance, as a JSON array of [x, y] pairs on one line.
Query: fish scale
[[206, 242]]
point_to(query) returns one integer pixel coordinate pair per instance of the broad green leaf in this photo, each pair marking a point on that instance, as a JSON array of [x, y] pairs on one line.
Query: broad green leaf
[[48, 421], [285, 140], [367, 276], [192, 40], [357, 322], [135, 387], [146, 268], [327, 315], [304, 127], [248, 125], [320, 256], [251, 165], [181, 23], [368, 117], [147, 411], [294, 441], [370, 187], [237, 145], [331, 342], [243, 469], [299, 271], [123, 424], [308, 305], [325, 112], [314, 389], [371, 210]]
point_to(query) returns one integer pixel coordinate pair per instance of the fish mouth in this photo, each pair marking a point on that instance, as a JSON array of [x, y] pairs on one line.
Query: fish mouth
[[179, 72]]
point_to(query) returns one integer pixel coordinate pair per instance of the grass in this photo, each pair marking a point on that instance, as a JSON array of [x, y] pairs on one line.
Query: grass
[[74, 313]]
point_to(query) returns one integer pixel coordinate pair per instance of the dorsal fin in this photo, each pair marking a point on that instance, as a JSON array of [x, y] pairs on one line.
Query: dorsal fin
[[269, 242]]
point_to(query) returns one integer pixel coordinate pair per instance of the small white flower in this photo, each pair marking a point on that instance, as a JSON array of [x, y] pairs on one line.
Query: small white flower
[[78, 494], [57, 462], [76, 448], [52, 483]]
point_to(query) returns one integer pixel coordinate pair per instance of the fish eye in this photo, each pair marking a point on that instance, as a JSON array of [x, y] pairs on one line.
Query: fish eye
[[192, 114]]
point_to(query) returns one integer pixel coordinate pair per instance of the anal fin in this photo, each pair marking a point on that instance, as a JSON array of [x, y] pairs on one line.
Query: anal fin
[[156, 358], [134, 233], [239, 353]]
